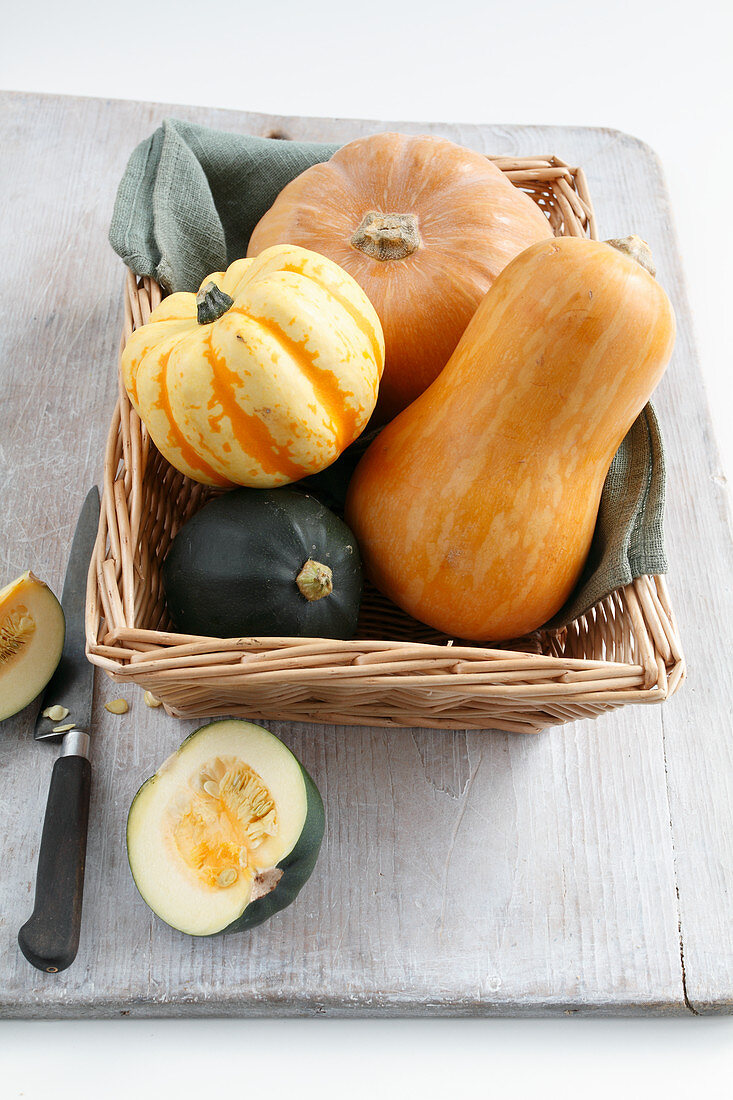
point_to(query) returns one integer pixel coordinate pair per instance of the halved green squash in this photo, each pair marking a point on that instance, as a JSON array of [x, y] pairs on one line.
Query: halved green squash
[[226, 832], [32, 630]]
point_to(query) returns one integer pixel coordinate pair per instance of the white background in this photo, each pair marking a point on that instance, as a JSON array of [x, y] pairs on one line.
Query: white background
[[659, 69]]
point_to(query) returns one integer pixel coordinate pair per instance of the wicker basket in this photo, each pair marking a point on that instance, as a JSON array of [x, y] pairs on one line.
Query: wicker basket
[[397, 672]]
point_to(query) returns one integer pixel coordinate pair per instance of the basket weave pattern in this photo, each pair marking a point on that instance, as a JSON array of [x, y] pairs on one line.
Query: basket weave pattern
[[397, 672]]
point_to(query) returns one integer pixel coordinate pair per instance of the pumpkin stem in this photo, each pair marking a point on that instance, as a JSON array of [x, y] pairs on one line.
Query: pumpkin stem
[[211, 303], [636, 249], [387, 236], [315, 580]]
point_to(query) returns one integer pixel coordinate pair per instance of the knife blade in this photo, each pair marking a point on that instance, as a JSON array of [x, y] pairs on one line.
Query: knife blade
[[50, 937], [72, 682]]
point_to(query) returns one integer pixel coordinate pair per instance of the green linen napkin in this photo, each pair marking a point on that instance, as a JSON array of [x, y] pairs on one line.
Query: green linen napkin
[[190, 198], [187, 205], [629, 537]]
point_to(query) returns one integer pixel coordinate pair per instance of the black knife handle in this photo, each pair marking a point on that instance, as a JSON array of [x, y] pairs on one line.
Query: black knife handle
[[50, 938]]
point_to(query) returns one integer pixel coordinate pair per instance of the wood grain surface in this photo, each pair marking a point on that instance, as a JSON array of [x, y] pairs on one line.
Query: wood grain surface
[[588, 869]]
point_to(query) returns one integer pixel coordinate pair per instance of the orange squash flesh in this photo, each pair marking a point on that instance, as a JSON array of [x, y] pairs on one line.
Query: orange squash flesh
[[475, 508]]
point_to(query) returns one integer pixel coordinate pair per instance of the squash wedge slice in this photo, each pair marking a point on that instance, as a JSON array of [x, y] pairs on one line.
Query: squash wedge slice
[[32, 630]]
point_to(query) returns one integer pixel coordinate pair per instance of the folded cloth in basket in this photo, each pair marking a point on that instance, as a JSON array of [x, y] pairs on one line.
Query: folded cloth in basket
[[187, 205]]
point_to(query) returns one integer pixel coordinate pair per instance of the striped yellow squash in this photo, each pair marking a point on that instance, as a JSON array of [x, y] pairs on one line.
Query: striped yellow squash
[[264, 376]]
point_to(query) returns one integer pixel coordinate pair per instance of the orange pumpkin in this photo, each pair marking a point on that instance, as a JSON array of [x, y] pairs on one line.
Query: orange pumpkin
[[424, 226], [475, 508]]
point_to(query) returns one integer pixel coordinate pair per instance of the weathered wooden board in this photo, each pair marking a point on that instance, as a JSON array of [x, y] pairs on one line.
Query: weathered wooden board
[[588, 869]]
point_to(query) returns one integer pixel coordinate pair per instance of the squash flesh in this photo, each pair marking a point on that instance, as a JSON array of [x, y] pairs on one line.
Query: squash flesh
[[231, 799], [32, 630], [220, 820]]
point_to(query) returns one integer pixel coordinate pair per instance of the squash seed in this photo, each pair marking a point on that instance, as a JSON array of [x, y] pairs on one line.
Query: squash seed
[[117, 706], [15, 629], [151, 700], [56, 713], [63, 729], [217, 838]]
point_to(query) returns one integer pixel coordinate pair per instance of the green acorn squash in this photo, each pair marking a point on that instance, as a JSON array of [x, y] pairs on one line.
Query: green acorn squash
[[227, 831], [259, 562], [331, 485]]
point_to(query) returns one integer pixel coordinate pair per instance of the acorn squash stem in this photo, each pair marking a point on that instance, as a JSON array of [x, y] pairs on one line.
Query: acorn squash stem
[[315, 580]]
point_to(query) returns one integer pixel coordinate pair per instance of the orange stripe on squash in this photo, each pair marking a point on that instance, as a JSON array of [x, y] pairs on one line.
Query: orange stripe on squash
[[177, 439], [249, 429], [358, 318], [343, 418]]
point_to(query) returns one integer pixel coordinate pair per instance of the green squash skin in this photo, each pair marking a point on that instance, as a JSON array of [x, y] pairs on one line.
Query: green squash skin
[[331, 485], [297, 866], [231, 570]]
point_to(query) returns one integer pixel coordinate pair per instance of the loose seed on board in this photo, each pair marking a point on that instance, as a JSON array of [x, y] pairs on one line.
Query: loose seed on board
[[117, 706], [56, 713], [151, 700]]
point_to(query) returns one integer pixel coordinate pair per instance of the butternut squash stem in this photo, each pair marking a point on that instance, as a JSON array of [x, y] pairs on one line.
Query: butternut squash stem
[[636, 249]]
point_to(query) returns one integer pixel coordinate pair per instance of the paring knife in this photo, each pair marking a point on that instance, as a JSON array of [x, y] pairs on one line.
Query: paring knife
[[50, 938]]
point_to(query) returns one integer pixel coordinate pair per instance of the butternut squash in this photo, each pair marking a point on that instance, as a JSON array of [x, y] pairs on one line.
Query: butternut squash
[[475, 508]]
